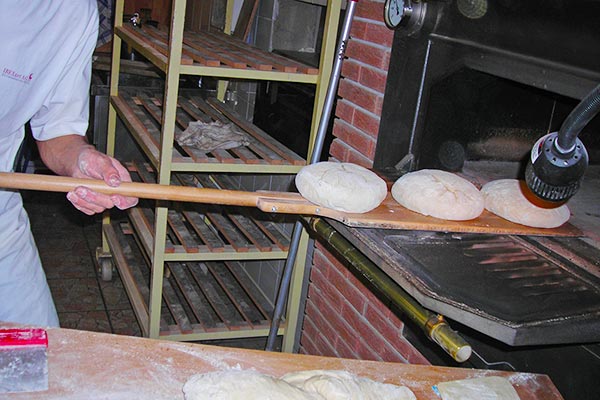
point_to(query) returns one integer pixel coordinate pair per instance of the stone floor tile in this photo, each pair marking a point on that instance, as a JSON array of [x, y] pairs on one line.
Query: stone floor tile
[[95, 321]]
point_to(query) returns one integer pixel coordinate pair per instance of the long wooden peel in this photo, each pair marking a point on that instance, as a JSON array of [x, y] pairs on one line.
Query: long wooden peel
[[51, 183], [389, 215]]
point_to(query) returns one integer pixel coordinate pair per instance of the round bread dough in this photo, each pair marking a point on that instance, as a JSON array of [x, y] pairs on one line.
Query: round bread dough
[[241, 385], [342, 385], [439, 194], [341, 186], [504, 198], [487, 387], [304, 385]]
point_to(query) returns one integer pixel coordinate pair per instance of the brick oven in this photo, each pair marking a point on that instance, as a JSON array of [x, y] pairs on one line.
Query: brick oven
[[343, 317]]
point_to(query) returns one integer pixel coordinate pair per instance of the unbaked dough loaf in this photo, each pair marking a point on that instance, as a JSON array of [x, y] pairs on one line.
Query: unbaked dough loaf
[[486, 388], [241, 385], [438, 193], [342, 385], [341, 186], [504, 198], [304, 385]]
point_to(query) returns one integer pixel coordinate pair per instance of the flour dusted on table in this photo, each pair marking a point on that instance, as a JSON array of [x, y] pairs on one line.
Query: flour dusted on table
[[304, 385], [439, 194], [341, 186]]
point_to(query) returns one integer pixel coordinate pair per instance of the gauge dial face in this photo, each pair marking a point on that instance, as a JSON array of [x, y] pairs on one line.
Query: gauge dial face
[[473, 9], [393, 12]]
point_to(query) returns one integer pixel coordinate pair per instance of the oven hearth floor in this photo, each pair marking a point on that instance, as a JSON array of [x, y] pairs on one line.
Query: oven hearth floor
[[520, 290]]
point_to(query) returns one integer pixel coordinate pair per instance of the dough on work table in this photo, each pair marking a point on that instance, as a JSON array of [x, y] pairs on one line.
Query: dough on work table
[[241, 385], [341, 186], [486, 388], [342, 385], [504, 198], [439, 194], [304, 385]]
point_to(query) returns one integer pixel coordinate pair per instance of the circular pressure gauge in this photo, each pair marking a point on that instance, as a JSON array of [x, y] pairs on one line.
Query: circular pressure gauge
[[394, 11]]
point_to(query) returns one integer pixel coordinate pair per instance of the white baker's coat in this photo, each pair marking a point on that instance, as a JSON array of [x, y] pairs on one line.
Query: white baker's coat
[[45, 69]]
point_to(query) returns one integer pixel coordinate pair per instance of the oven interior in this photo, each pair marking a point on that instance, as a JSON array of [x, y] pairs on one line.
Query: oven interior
[[486, 85]]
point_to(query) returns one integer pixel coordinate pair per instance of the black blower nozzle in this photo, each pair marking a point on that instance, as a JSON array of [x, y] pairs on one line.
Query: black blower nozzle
[[553, 175], [559, 160]]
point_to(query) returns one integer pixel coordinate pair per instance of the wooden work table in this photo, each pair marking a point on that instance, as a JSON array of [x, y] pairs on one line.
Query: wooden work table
[[89, 365]]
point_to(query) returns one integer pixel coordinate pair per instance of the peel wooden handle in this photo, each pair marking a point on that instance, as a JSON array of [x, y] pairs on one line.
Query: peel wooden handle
[[51, 183]]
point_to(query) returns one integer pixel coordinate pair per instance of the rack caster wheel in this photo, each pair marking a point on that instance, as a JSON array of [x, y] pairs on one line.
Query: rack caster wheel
[[105, 265]]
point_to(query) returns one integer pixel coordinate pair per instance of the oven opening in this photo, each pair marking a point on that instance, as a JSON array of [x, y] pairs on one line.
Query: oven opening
[[472, 116], [484, 87]]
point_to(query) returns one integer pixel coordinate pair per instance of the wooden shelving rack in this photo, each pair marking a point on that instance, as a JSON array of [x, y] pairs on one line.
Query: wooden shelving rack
[[180, 262], [142, 113]]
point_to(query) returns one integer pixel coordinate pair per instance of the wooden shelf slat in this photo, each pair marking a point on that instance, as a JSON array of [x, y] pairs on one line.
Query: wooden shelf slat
[[133, 38], [175, 307], [127, 112], [208, 236], [239, 298], [261, 303], [259, 60], [272, 231], [146, 40], [177, 224], [228, 230], [236, 46], [251, 231], [199, 305], [214, 293]]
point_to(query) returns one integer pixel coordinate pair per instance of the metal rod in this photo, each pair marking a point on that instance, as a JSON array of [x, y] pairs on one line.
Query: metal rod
[[284, 287], [333, 84], [315, 157], [434, 325]]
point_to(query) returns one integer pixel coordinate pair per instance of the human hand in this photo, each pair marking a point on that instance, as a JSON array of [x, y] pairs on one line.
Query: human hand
[[92, 164]]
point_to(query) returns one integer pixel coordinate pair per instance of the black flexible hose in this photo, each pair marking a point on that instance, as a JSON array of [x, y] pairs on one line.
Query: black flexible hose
[[578, 119]]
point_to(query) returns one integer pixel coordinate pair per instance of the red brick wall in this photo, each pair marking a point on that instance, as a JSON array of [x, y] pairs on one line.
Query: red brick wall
[[362, 86], [343, 318]]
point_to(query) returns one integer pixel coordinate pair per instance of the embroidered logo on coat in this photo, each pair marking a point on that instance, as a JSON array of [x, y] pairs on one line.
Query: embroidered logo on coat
[[9, 73]]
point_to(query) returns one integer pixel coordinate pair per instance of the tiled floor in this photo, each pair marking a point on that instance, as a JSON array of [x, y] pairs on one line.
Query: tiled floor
[[67, 242]]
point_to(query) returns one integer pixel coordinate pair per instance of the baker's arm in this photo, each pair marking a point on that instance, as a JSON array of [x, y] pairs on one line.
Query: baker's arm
[[71, 155]]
